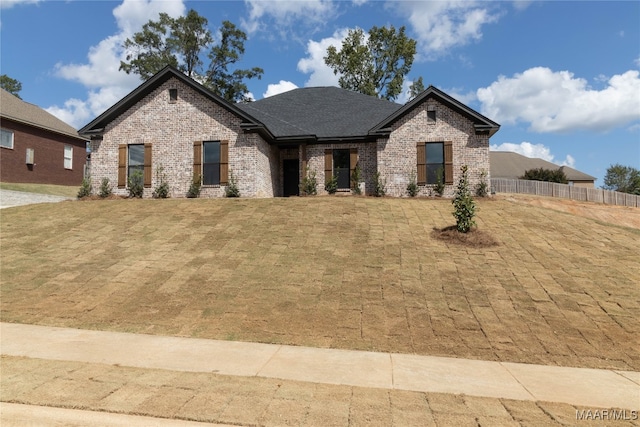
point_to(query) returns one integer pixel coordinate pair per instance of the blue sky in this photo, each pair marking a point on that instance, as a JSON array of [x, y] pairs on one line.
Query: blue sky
[[561, 77]]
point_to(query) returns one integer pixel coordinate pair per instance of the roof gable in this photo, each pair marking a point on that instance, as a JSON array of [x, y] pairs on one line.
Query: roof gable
[[320, 113], [98, 124], [481, 123], [13, 108]]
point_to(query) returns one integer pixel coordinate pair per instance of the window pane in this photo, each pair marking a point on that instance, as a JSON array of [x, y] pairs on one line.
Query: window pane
[[211, 174], [432, 173], [134, 168], [6, 138], [435, 152], [136, 155], [211, 152]]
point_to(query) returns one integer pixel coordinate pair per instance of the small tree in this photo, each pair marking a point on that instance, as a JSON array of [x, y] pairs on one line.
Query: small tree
[[194, 188], [412, 187], [309, 185], [464, 206], [85, 188], [332, 184], [162, 190], [356, 177], [106, 189], [232, 189], [135, 182], [379, 184], [482, 187], [439, 186]]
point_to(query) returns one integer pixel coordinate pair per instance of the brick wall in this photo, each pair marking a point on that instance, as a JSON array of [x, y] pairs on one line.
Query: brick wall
[[366, 161], [48, 149], [171, 128], [397, 154]]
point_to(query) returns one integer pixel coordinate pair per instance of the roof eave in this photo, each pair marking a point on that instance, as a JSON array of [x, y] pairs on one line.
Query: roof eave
[[478, 119], [48, 129]]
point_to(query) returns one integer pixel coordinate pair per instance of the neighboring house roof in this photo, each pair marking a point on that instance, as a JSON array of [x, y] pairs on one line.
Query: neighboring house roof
[[506, 164], [321, 112], [13, 108], [481, 123]]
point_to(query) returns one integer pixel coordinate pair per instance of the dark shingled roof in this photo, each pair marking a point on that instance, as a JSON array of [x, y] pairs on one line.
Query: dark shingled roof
[[323, 112], [506, 164]]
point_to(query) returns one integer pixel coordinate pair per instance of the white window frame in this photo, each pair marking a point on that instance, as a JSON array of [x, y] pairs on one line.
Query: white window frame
[[6, 132], [68, 157]]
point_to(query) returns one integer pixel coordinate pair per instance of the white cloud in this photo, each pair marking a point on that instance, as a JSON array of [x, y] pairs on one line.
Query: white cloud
[[285, 12], [7, 4], [277, 88], [556, 101], [538, 151], [441, 25], [101, 74], [321, 74]]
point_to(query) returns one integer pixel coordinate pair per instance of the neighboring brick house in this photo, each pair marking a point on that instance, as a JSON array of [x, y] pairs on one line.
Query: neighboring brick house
[[37, 147], [509, 165], [174, 123]]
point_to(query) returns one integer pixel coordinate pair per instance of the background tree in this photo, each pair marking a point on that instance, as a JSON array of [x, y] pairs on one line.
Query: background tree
[[374, 64], [549, 175], [148, 51], [189, 35], [416, 88], [10, 85], [229, 85], [625, 179], [179, 42]]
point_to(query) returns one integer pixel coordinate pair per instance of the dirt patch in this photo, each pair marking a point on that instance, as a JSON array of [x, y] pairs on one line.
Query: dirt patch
[[474, 238]]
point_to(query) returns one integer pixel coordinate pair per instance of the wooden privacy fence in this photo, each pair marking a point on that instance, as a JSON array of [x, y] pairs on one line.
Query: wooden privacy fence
[[552, 189]]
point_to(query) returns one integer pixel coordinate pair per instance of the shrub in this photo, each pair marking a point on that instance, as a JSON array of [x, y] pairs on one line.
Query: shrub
[[232, 189], [106, 189], [194, 188], [482, 187], [412, 187], [542, 174], [162, 190], [464, 206], [309, 186], [85, 188], [356, 176], [379, 185], [135, 182], [332, 185], [439, 187]]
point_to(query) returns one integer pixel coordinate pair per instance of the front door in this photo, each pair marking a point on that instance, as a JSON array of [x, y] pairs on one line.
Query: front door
[[291, 177]]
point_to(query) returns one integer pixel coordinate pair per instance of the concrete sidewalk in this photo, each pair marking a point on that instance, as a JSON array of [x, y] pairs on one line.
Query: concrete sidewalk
[[577, 386]]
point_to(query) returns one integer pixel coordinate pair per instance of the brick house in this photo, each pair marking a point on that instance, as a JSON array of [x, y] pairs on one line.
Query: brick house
[[174, 123], [36, 147]]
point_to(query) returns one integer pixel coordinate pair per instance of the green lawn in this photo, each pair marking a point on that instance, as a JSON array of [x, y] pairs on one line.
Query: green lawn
[[342, 272]]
